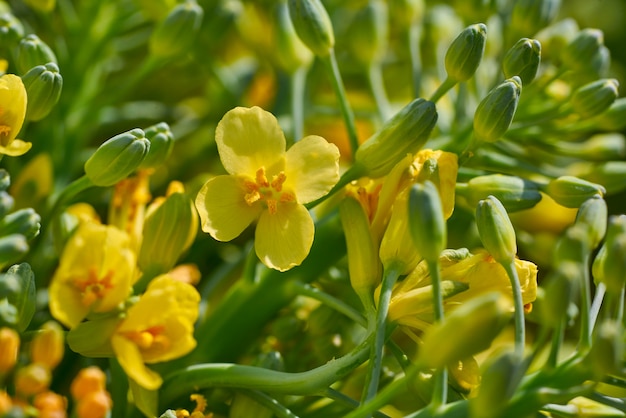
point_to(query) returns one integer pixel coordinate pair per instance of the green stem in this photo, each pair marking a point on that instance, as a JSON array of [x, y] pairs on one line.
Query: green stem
[[278, 409], [597, 303], [555, 347], [227, 375], [329, 300], [339, 397], [298, 83], [372, 380], [377, 85], [585, 307], [520, 330], [330, 62], [442, 89], [440, 393], [353, 173]]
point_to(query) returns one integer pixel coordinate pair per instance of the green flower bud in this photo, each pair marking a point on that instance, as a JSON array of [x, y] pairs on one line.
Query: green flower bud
[[6, 203], [466, 52], [426, 222], [396, 247], [496, 111], [573, 245], [161, 145], [496, 230], [17, 287], [522, 60], [499, 380], [579, 54], [176, 34], [11, 30], [32, 52], [593, 214], [514, 193], [553, 38], [117, 158], [613, 264], [24, 221], [599, 147], [368, 32], [610, 175], [594, 98], [292, 53], [405, 133], [12, 248], [43, 86], [607, 351], [528, 16], [571, 191], [313, 25], [614, 118], [168, 231], [5, 179], [363, 262], [468, 330]]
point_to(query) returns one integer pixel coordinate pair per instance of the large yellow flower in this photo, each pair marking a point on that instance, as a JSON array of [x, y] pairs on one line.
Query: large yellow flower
[[12, 113], [159, 327], [96, 273], [267, 183]]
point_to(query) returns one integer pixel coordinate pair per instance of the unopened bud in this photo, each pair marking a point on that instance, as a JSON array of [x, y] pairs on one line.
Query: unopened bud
[[292, 53], [579, 54], [368, 32], [426, 221], [515, 193], [11, 30], [594, 98], [32, 379], [6, 203], [161, 145], [496, 230], [405, 133], [43, 85], [313, 26], [523, 60], [48, 345], [9, 349], [571, 191], [363, 263], [396, 247], [466, 331], [528, 16], [614, 118], [593, 214], [599, 147], [406, 12], [177, 32], [32, 52], [610, 175], [5, 179], [499, 380], [17, 288], [496, 111], [466, 52], [12, 248], [609, 267], [94, 405], [607, 351], [25, 222], [117, 158], [88, 380], [573, 245]]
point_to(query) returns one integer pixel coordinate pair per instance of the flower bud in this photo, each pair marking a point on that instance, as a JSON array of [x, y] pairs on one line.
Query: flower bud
[[573, 245], [607, 351], [495, 230], [9, 349], [12, 248], [498, 383], [117, 158], [614, 264], [405, 133], [571, 191], [396, 247], [522, 60], [50, 405], [161, 145], [175, 34], [17, 288], [94, 405], [495, 112], [6, 203], [25, 222], [426, 222], [466, 52], [594, 98], [609, 174], [48, 345], [5, 179], [515, 193], [168, 231], [363, 263], [32, 52], [528, 16], [43, 85], [32, 379], [468, 330], [579, 54], [313, 26], [88, 380], [368, 32], [292, 53], [406, 12], [599, 147], [11, 30], [593, 214], [613, 118]]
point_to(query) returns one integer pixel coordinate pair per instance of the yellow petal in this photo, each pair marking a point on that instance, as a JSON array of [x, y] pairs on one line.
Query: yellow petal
[[12, 109], [16, 148], [223, 210], [283, 239], [186, 296], [248, 139], [312, 168], [130, 359], [65, 303]]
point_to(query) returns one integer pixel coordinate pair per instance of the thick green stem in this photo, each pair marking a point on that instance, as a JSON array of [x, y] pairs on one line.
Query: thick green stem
[[520, 329], [440, 393], [442, 89], [330, 62]]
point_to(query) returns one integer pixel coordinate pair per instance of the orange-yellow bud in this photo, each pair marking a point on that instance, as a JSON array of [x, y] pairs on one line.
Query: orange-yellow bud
[[94, 405], [90, 379], [32, 379], [9, 347], [48, 346]]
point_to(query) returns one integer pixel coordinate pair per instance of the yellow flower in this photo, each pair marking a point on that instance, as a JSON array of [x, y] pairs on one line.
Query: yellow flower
[[267, 183], [12, 113], [159, 327], [96, 272]]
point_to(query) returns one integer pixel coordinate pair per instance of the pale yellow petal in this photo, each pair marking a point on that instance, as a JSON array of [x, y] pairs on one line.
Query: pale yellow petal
[[130, 359], [186, 296], [224, 213], [284, 239], [16, 148], [248, 139], [312, 168], [65, 302]]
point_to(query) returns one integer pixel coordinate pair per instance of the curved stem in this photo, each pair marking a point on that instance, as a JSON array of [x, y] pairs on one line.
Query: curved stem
[[442, 89], [520, 330]]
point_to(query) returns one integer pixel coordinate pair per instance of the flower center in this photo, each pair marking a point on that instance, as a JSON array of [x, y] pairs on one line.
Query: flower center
[[150, 338], [270, 192], [4, 133], [94, 287]]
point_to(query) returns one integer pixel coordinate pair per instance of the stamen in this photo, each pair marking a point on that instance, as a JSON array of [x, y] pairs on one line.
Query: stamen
[[94, 288], [271, 193]]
